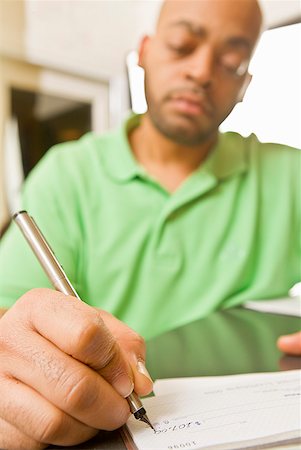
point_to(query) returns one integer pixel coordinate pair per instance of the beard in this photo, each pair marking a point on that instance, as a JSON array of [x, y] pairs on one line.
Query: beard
[[181, 134], [181, 128]]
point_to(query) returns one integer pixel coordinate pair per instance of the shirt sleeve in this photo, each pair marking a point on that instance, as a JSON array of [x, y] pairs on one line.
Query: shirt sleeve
[[49, 195]]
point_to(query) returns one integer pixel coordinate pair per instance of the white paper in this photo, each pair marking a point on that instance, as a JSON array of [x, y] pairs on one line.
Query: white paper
[[191, 384], [247, 411], [286, 306]]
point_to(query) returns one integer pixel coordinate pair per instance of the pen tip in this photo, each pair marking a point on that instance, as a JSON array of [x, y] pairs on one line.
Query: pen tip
[[146, 420]]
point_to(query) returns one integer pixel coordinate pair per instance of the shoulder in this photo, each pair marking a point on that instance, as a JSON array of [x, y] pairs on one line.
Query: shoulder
[[74, 160], [260, 154], [252, 143], [274, 168], [271, 167], [276, 160], [84, 151]]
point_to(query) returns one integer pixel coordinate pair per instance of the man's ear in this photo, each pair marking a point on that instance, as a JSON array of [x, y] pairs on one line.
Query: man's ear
[[244, 87], [142, 49]]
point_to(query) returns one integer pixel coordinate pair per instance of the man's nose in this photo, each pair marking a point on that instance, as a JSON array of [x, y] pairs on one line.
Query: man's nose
[[200, 66]]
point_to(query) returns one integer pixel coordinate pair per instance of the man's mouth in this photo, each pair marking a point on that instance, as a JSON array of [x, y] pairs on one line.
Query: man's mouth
[[190, 103]]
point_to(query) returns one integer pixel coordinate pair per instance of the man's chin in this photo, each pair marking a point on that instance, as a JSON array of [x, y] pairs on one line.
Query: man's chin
[[181, 128], [185, 137], [184, 133]]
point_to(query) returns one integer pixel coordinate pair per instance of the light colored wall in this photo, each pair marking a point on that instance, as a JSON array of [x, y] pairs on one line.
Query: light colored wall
[[87, 37], [280, 11], [12, 31]]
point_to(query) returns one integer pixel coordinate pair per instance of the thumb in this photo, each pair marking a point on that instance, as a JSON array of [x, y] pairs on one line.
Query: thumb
[[142, 379]]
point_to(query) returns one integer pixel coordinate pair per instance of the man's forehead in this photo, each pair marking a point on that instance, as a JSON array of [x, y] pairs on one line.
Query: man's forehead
[[238, 14], [172, 7], [194, 29]]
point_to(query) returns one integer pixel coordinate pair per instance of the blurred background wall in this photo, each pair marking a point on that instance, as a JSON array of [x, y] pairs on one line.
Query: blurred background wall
[[63, 72]]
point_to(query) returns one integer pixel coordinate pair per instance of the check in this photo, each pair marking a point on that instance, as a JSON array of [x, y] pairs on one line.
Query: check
[[232, 412]]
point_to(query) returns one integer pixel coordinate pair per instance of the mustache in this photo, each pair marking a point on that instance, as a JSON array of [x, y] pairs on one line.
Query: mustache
[[194, 93]]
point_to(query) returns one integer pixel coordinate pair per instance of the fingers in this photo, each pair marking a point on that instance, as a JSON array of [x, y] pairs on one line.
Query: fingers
[[34, 422], [60, 370], [78, 330], [65, 382], [290, 344]]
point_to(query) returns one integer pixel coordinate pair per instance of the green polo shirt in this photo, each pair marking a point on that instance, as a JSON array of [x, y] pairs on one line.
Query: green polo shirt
[[231, 231]]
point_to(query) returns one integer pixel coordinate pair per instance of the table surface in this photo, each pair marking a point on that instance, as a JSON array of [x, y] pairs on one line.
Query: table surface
[[227, 342]]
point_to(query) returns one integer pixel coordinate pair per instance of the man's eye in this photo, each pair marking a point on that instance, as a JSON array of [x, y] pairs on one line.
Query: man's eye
[[232, 62], [234, 67], [180, 50]]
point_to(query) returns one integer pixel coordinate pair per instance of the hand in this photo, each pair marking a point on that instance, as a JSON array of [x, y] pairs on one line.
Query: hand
[[133, 348], [63, 375], [290, 343]]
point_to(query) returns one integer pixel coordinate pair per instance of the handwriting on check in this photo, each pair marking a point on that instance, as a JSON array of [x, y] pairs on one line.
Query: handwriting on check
[[182, 445], [167, 426]]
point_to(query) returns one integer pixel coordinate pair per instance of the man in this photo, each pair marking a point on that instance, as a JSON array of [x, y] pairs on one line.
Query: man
[[160, 224]]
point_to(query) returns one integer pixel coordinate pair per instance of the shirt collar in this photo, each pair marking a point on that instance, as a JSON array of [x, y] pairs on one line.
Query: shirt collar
[[119, 160], [227, 158]]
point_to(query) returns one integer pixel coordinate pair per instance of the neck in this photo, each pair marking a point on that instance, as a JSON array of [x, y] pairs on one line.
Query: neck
[[168, 162]]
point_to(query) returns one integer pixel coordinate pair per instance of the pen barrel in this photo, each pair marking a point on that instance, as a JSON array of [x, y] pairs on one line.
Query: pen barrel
[[44, 253], [134, 402]]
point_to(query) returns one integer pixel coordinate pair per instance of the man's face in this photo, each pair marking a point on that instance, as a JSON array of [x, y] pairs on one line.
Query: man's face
[[195, 65]]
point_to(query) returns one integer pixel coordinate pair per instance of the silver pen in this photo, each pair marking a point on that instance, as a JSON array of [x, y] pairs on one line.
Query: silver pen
[[61, 283]]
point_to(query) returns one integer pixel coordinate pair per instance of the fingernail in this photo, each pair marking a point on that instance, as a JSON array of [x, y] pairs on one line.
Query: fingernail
[[124, 385], [286, 340], [143, 370]]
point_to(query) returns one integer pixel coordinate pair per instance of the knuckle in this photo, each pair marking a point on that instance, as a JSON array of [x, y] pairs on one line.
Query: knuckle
[[80, 393], [30, 303], [25, 307], [31, 296], [85, 335]]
